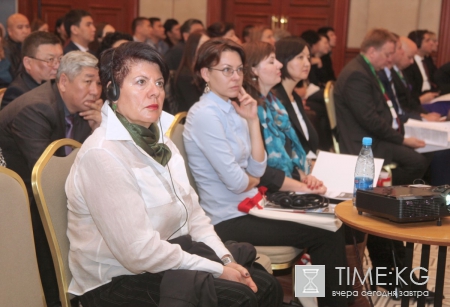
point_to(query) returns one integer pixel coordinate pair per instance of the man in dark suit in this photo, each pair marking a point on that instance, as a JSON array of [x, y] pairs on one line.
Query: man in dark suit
[[363, 110], [80, 29], [420, 75], [66, 107], [41, 53], [18, 29], [408, 103]]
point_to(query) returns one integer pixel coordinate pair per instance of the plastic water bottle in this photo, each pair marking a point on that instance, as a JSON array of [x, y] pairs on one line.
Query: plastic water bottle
[[365, 168]]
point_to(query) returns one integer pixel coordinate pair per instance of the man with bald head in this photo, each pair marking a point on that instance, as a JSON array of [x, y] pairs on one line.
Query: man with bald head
[[18, 28], [405, 105], [410, 103]]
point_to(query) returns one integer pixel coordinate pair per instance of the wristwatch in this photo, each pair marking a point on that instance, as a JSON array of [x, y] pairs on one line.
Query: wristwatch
[[227, 259]]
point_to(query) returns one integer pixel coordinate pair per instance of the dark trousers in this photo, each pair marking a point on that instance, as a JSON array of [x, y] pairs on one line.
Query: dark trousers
[[44, 258], [143, 290], [411, 165], [325, 247]]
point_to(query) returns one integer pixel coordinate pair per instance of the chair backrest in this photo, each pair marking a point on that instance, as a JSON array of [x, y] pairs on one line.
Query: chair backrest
[[175, 133], [331, 111], [48, 180], [2, 92], [20, 284]]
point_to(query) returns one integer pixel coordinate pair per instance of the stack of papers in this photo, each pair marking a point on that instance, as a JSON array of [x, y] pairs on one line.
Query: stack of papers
[[433, 133], [337, 172]]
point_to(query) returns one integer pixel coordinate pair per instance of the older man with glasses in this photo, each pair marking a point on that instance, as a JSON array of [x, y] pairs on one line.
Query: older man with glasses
[[41, 54], [67, 107]]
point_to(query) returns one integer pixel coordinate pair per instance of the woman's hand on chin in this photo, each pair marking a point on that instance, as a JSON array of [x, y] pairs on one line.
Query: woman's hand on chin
[[247, 107]]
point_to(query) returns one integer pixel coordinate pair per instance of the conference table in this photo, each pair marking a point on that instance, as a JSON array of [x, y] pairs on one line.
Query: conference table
[[425, 233]]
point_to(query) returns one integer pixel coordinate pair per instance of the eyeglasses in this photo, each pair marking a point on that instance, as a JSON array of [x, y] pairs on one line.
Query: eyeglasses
[[228, 71], [50, 62]]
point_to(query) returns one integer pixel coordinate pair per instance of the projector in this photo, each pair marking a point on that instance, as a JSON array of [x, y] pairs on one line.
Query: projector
[[405, 203]]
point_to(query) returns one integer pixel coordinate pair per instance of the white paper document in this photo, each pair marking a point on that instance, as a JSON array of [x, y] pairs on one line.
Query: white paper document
[[433, 133], [337, 172]]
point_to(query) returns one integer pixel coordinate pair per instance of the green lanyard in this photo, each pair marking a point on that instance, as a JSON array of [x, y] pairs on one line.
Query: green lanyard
[[374, 73]]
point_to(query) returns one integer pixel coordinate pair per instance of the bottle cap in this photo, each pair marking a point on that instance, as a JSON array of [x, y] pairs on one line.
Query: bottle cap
[[367, 141]]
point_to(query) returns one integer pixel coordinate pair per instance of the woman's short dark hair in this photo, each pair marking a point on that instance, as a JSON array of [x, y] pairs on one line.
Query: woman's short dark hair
[[124, 56], [209, 55], [219, 29], [311, 37], [111, 38], [286, 49]]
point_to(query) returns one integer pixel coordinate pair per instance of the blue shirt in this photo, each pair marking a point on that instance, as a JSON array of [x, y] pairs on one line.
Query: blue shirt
[[217, 143]]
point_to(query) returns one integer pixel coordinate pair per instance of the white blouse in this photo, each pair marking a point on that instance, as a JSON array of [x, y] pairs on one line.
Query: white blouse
[[123, 207]]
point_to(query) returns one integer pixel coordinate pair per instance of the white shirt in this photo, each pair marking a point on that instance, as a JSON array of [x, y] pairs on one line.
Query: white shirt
[[426, 83], [84, 49], [122, 209]]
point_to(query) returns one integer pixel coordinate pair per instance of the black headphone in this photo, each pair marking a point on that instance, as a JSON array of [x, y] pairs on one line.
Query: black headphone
[[298, 201], [112, 90]]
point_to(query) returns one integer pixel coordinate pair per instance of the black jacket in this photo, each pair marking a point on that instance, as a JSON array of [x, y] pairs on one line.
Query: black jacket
[[20, 85]]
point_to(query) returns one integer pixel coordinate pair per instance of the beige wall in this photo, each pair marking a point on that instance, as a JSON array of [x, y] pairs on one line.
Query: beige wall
[[178, 9], [399, 16]]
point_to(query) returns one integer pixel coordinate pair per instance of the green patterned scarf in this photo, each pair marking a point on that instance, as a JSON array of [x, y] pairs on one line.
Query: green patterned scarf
[[147, 139]]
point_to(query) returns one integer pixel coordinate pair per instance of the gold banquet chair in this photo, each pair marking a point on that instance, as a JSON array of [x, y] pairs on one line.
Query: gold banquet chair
[[331, 111], [20, 284], [281, 257], [48, 180]]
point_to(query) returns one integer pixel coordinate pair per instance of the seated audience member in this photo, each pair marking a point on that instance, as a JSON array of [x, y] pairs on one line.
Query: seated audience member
[[261, 34], [224, 30], [113, 40], [157, 36], [226, 156], [280, 33], [141, 29], [60, 31], [80, 29], [68, 107], [172, 31], [5, 74], [18, 29], [319, 47], [396, 87], [315, 100], [327, 70], [185, 89], [101, 29], [362, 110], [420, 75], [174, 55], [246, 33], [39, 25], [442, 78], [286, 162], [145, 239], [41, 54]]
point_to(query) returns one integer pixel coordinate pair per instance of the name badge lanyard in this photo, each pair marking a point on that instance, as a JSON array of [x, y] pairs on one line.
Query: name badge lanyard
[[386, 97]]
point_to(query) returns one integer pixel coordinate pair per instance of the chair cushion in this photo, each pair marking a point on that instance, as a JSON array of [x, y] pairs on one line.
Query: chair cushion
[[279, 254]]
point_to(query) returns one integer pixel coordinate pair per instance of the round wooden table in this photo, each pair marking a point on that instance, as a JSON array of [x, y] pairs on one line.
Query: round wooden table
[[425, 233]]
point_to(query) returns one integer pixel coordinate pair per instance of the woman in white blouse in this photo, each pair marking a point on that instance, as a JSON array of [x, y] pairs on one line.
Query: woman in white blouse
[[133, 219]]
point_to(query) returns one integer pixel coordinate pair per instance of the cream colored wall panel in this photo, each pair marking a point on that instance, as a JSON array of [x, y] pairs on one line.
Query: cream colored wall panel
[[357, 24], [178, 9], [185, 9], [430, 15], [156, 8], [398, 16]]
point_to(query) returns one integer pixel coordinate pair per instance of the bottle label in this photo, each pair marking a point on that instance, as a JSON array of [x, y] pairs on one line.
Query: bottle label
[[363, 183]]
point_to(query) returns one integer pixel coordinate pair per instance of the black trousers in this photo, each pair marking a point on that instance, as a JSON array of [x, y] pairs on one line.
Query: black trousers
[[325, 247], [143, 290], [411, 165]]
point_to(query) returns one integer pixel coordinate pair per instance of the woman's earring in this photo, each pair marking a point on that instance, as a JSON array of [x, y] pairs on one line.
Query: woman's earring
[[114, 107], [207, 89]]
